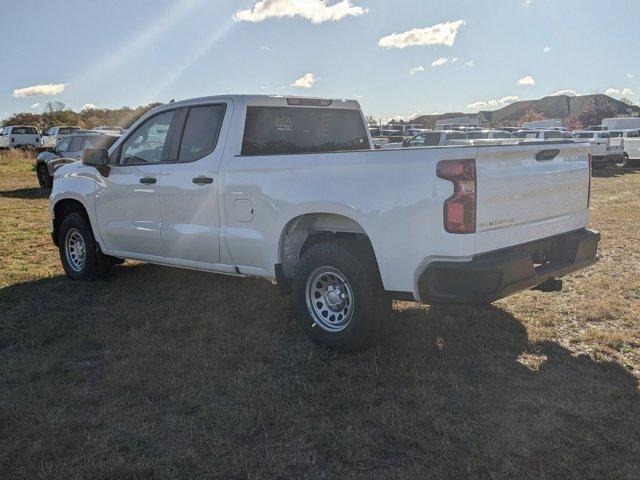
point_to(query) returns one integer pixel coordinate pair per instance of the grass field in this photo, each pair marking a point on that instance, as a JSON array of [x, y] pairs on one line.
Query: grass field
[[162, 373]]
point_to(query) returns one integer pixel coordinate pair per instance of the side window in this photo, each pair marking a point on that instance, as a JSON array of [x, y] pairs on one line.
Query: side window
[[76, 144], [63, 145], [147, 143], [417, 140], [201, 130]]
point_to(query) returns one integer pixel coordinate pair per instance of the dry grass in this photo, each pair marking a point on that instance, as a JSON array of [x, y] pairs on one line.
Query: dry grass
[[160, 373]]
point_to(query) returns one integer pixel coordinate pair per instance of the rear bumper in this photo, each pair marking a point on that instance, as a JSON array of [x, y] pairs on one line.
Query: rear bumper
[[498, 274]]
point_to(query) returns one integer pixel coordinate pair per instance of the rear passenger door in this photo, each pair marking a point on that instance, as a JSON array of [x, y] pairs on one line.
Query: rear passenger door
[[188, 187]]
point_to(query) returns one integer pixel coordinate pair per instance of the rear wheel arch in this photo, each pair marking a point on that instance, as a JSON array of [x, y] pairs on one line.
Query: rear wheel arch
[[304, 231]]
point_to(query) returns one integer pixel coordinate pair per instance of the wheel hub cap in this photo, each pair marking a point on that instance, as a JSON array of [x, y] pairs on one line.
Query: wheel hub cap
[[75, 250], [329, 299]]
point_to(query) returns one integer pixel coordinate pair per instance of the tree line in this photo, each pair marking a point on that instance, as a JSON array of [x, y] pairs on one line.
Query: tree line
[[57, 114]]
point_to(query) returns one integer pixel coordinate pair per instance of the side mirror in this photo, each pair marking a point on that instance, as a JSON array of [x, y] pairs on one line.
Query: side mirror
[[96, 157]]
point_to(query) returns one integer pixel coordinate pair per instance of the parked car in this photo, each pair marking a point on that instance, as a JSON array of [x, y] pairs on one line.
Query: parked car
[[53, 135], [69, 150], [291, 189], [598, 146], [431, 138], [19, 136], [629, 141]]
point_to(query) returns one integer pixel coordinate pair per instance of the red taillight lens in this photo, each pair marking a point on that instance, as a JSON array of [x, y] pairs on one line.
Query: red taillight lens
[[459, 208], [589, 192]]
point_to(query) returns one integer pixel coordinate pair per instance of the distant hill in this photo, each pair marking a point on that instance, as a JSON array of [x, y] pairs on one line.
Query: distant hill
[[560, 106]]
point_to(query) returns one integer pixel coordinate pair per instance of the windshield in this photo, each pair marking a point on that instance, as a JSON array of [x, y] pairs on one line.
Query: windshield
[[501, 135], [66, 130], [477, 135]]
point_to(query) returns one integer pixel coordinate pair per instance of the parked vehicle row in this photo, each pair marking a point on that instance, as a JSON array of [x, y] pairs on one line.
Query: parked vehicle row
[[17, 136], [621, 152], [272, 187]]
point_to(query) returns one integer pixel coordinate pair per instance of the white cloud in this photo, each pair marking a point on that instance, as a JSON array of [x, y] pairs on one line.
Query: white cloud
[[494, 103], [625, 92], [630, 75], [527, 80], [454, 59], [469, 63], [417, 69], [526, 3], [49, 89], [316, 11], [546, 49], [266, 48], [35, 105], [306, 81], [439, 62], [567, 92], [88, 106], [440, 34]]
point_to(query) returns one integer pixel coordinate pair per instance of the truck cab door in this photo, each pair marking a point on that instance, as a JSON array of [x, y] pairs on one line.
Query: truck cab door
[[189, 187], [126, 197]]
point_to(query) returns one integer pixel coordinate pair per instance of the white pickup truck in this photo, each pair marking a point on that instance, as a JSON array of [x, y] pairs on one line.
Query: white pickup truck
[[292, 189], [601, 152]]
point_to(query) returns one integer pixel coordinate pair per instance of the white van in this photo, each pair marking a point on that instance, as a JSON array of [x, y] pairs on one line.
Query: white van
[[53, 135], [629, 141], [19, 136]]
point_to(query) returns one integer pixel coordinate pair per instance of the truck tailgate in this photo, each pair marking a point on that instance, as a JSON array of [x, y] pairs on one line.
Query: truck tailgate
[[523, 197]]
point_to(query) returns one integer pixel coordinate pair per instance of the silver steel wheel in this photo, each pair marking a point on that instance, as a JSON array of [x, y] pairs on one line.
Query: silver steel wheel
[[329, 299], [75, 250]]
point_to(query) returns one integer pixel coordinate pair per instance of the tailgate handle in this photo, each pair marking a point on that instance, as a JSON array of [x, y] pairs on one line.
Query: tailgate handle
[[547, 154]]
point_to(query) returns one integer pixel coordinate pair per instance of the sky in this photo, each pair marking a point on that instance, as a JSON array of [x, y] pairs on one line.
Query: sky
[[397, 58]]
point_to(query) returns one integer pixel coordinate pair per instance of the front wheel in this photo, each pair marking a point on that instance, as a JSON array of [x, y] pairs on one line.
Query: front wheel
[[79, 253], [338, 295], [44, 179], [624, 162]]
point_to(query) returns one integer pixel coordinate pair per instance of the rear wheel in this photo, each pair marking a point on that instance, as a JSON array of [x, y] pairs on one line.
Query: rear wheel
[[79, 253], [44, 179], [338, 295]]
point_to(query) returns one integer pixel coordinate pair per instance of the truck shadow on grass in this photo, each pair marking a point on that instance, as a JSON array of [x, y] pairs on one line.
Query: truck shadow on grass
[[27, 193], [174, 374], [614, 172]]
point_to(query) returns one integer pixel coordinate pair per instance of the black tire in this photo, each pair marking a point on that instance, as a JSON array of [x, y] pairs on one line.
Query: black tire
[[624, 163], [44, 179], [94, 265], [369, 306]]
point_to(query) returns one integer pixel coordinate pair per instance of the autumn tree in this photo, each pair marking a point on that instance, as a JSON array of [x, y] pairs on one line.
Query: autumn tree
[[598, 110]]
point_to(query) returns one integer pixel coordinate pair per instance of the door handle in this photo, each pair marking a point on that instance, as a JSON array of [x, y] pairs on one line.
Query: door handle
[[202, 180], [147, 180]]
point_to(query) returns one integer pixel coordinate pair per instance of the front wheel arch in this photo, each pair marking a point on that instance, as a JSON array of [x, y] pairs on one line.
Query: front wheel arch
[[61, 209]]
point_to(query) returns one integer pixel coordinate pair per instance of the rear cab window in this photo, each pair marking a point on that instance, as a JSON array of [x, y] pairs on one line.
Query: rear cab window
[[291, 130], [24, 131]]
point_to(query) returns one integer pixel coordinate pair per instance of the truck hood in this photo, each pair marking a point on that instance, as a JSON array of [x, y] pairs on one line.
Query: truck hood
[[69, 169]]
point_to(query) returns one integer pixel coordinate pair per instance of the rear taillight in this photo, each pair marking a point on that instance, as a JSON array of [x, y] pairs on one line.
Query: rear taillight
[[589, 192], [459, 208]]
